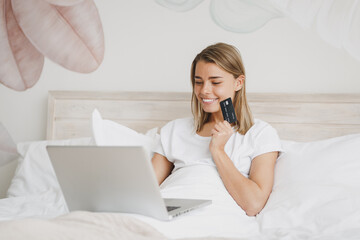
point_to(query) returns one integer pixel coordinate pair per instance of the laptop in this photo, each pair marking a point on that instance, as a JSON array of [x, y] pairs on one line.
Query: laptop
[[114, 179]]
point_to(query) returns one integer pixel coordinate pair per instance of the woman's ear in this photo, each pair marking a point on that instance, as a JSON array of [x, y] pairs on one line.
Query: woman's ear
[[239, 82]]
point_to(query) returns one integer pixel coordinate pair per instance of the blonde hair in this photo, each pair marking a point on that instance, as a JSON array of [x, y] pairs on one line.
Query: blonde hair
[[229, 59]]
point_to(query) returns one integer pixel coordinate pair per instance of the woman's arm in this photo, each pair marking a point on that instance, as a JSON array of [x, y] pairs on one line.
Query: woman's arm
[[162, 167], [250, 193]]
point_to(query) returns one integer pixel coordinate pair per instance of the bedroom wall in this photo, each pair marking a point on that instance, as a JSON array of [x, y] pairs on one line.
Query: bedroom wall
[[150, 48]]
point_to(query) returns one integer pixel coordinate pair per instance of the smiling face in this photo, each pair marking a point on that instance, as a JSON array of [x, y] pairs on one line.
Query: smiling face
[[212, 84]]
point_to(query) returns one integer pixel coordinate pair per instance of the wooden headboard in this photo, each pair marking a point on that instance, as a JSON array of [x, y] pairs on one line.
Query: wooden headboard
[[299, 117]]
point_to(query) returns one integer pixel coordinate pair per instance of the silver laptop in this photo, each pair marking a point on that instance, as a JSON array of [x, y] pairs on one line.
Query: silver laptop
[[113, 179]]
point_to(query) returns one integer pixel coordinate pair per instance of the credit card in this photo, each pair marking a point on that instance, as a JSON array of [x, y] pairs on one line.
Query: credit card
[[228, 110]]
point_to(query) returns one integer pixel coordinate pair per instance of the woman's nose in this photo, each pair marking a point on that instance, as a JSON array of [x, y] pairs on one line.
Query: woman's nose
[[206, 88]]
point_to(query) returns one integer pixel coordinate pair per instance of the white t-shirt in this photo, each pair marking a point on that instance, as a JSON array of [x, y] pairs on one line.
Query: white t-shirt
[[182, 146]]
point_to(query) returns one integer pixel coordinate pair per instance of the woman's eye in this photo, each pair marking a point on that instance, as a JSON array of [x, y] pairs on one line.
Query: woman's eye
[[198, 83], [216, 83]]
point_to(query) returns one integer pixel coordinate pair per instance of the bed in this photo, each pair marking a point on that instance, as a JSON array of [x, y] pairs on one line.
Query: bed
[[298, 117], [316, 193]]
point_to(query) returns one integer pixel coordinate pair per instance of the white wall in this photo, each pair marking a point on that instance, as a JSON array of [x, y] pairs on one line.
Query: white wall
[[150, 48]]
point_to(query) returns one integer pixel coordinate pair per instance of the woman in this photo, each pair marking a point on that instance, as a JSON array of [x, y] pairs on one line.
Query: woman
[[244, 152]]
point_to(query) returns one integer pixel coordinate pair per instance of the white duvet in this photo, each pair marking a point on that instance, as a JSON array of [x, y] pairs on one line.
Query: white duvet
[[223, 218]]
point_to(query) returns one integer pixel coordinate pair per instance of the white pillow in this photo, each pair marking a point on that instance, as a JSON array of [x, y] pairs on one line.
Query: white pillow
[[317, 187], [34, 190], [110, 133]]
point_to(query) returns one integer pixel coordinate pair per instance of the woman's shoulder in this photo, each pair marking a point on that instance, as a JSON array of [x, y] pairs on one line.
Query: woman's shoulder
[[260, 126]]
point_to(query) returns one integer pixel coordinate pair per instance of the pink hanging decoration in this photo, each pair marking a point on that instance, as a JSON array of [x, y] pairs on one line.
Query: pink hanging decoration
[[70, 36], [8, 149], [20, 63]]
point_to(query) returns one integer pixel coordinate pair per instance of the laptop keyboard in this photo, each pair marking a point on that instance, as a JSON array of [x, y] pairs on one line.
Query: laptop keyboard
[[170, 208]]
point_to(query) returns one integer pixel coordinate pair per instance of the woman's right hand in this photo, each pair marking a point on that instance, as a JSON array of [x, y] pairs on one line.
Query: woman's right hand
[[221, 133]]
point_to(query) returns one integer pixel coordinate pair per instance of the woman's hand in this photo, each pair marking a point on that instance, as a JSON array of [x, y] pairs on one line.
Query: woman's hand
[[221, 133]]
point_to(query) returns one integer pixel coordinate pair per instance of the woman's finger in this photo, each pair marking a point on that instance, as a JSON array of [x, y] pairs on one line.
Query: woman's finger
[[214, 132], [222, 127]]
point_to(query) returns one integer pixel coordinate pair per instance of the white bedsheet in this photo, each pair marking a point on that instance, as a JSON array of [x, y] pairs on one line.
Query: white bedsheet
[[79, 225]]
